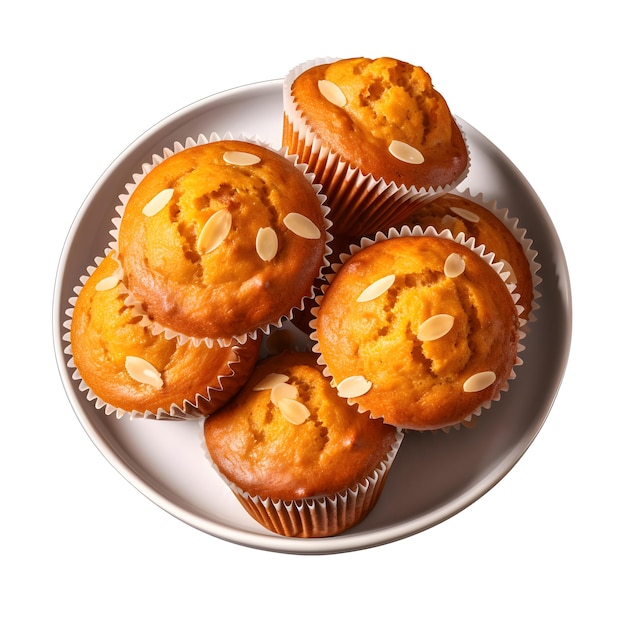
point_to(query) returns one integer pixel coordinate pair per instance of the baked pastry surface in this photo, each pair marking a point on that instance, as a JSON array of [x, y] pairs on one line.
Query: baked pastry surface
[[424, 323]]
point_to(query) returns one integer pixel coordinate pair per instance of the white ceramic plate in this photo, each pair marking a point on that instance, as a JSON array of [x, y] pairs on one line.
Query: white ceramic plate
[[435, 475]]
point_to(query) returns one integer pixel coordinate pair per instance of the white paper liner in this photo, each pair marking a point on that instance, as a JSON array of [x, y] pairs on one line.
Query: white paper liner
[[323, 516], [417, 231], [190, 142], [189, 409], [520, 234], [360, 203]]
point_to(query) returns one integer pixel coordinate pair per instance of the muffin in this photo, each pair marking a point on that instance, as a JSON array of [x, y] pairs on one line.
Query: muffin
[[300, 460], [419, 329], [123, 366], [491, 227], [222, 240], [375, 133]]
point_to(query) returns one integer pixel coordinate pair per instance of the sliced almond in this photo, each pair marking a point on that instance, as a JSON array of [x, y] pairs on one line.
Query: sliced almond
[[293, 411], [353, 387], [158, 202], [237, 157], [377, 288], [302, 226], [107, 283], [435, 327], [270, 381], [332, 92], [404, 152], [479, 381], [214, 231], [465, 214], [266, 243], [143, 372], [281, 391], [454, 265]]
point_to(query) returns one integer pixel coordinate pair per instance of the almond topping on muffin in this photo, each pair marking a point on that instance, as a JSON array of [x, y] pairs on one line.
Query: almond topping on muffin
[[158, 202], [214, 231], [107, 283], [280, 391], [454, 265], [235, 157], [465, 214], [293, 411], [479, 381], [353, 387], [266, 243], [284, 397], [377, 288], [143, 372], [332, 92], [435, 327], [404, 152], [302, 226], [270, 381]]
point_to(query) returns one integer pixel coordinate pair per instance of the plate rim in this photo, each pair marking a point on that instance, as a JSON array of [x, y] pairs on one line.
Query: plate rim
[[248, 538]]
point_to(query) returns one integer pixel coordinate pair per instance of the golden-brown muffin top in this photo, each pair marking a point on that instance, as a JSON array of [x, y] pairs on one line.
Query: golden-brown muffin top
[[130, 368], [462, 215], [288, 435], [419, 330], [384, 117], [221, 239]]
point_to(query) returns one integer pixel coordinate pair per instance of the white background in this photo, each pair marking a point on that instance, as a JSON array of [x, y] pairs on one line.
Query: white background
[[79, 544]]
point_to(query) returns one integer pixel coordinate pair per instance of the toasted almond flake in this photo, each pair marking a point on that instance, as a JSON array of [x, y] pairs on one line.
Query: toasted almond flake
[[465, 214], [107, 283], [281, 391], [266, 243], [479, 381], [143, 372], [270, 381], [404, 152], [158, 202], [214, 231], [454, 265], [377, 288], [236, 157], [353, 387], [302, 226], [435, 327], [293, 411], [332, 92]]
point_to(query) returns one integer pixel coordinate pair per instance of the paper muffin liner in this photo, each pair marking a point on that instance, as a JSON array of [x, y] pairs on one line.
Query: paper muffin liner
[[322, 516], [360, 203], [417, 231], [253, 334], [194, 408]]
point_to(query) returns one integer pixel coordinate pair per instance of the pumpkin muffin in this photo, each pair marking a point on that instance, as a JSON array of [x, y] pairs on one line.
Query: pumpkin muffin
[[375, 133], [418, 329], [300, 459], [123, 366], [221, 240]]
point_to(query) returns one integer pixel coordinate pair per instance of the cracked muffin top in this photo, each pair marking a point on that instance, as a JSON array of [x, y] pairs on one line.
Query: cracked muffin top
[[133, 370], [419, 330], [384, 117], [221, 239], [288, 435]]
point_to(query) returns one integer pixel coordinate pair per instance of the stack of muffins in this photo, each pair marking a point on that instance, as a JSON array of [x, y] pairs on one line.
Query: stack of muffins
[[309, 305]]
